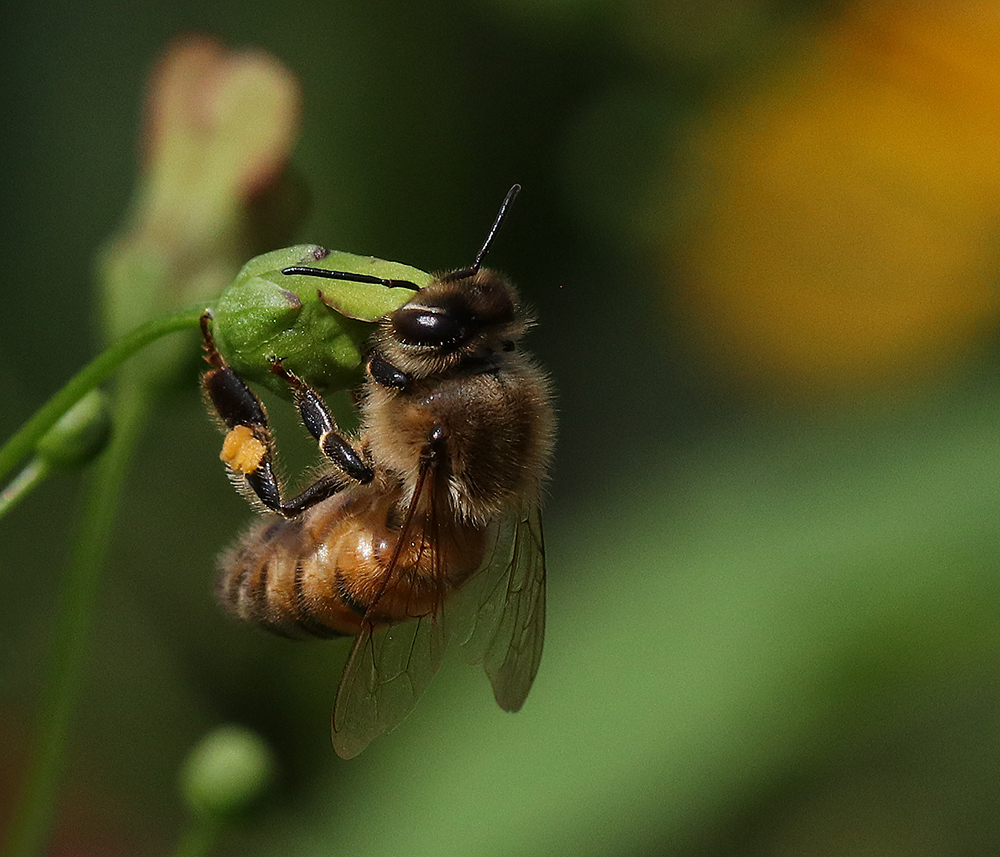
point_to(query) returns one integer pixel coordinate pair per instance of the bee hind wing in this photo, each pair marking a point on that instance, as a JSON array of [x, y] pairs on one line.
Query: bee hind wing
[[508, 628]]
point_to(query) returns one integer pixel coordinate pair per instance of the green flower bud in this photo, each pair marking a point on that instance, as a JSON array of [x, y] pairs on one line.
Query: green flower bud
[[226, 773], [79, 435], [316, 326]]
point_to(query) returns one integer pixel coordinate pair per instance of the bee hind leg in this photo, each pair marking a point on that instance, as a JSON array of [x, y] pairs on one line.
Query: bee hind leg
[[248, 449]]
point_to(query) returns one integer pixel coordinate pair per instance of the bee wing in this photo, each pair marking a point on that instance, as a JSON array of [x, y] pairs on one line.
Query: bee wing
[[390, 666], [386, 672], [509, 610]]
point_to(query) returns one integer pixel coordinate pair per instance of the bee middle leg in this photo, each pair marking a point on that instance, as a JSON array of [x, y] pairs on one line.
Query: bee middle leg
[[318, 420], [248, 449]]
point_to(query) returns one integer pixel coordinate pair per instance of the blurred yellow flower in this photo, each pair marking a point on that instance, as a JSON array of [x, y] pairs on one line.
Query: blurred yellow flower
[[843, 227]]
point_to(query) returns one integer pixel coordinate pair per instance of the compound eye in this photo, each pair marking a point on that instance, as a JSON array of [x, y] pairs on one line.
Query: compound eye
[[429, 326]]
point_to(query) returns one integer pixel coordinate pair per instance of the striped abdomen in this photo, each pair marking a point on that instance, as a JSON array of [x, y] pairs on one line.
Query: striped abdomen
[[319, 574]]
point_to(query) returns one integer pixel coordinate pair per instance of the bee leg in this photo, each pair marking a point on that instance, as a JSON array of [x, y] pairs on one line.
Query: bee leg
[[248, 449], [385, 374], [316, 417], [233, 400]]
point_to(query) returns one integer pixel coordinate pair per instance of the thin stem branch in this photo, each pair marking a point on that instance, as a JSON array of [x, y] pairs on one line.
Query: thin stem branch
[[20, 486], [24, 440], [36, 808], [198, 838]]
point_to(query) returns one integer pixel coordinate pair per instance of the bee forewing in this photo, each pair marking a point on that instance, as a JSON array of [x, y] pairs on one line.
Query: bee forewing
[[387, 671]]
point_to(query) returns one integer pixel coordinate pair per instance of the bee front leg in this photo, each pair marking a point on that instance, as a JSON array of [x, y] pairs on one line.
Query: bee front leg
[[384, 374], [248, 449]]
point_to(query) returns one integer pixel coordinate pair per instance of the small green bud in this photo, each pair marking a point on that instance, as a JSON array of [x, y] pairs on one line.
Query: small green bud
[[79, 435], [316, 326], [227, 772]]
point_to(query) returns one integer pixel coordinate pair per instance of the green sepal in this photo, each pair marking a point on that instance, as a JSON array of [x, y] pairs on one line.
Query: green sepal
[[316, 326], [365, 301]]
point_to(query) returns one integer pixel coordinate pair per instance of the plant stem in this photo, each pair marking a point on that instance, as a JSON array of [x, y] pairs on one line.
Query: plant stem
[[20, 486], [198, 838], [24, 440], [36, 809]]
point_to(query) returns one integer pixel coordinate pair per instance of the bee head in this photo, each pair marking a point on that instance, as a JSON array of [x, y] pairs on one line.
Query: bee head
[[453, 319], [470, 315]]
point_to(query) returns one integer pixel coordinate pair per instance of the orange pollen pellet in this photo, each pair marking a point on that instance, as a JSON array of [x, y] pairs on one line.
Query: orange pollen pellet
[[242, 451]]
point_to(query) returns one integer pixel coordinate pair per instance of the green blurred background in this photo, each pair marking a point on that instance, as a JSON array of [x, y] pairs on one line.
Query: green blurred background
[[762, 240]]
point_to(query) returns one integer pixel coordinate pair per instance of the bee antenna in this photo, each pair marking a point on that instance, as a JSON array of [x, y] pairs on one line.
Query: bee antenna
[[304, 270], [494, 229]]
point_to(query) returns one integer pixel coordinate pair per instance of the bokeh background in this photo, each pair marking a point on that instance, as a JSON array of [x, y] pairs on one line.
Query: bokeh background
[[763, 242]]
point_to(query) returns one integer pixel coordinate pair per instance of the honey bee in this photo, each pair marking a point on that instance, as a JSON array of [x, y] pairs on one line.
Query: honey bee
[[426, 526]]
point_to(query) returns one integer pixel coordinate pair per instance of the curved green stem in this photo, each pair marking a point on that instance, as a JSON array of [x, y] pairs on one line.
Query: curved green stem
[[36, 806], [23, 441]]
